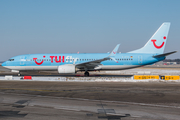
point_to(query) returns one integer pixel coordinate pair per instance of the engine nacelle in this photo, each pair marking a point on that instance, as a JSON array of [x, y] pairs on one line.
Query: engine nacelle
[[68, 68]]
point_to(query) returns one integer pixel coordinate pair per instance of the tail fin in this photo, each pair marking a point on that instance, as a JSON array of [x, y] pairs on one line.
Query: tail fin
[[157, 42]]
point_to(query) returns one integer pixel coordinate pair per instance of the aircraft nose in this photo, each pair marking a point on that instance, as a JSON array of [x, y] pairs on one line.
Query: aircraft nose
[[3, 64]]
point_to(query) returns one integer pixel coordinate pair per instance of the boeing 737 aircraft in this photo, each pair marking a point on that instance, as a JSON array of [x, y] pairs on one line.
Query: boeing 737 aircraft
[[152, 52]]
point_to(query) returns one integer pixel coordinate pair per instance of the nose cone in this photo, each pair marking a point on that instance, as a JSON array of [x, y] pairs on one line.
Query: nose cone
[[3, 64]]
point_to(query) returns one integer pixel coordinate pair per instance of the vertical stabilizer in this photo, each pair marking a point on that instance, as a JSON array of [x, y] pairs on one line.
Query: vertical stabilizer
[[157, 42]]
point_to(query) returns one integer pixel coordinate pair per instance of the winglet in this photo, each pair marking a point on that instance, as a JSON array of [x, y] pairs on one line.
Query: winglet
[[113, 53]]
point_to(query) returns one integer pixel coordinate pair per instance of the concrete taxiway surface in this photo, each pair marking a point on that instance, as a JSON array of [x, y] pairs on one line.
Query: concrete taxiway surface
[[37, 100], [89, 100]]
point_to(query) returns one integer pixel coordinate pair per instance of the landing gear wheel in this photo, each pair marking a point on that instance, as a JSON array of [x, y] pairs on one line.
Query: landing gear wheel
[[19, 74], [86, 74]]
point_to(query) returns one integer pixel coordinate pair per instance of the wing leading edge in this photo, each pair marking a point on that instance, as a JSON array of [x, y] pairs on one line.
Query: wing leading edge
[[95, 63]]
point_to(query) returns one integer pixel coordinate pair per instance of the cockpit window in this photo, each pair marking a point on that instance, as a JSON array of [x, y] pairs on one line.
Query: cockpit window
[[11, 59]]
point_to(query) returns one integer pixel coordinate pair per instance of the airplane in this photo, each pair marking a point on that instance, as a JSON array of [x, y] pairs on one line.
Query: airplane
[[150, 53]]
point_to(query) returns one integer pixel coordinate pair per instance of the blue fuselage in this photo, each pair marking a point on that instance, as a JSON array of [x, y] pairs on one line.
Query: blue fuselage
[[52, 61]]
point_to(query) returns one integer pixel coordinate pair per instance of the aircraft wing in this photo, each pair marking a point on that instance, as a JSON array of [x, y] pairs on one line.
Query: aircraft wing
[[91, 64], [95, 63]]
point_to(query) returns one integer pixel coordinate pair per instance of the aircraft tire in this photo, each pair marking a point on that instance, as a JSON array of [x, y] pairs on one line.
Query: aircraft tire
[[86, 74]]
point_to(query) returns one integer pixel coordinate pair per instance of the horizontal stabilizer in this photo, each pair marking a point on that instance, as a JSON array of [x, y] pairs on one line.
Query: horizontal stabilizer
[[165, 54]]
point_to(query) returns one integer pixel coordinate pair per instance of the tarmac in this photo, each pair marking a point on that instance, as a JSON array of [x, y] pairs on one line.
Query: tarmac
[[64, 100], [89, 100]]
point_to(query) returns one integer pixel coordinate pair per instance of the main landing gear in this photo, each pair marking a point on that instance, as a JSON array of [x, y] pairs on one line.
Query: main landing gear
[[86, 74], [19, 74]]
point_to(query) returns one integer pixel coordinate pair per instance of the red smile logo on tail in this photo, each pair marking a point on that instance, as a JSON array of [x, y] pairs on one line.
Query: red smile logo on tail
[[158, 47]]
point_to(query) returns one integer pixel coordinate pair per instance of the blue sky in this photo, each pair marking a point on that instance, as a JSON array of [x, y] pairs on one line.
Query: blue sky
[[87, 26]]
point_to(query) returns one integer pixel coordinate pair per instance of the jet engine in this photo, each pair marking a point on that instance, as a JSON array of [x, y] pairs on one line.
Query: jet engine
[[67, 68]]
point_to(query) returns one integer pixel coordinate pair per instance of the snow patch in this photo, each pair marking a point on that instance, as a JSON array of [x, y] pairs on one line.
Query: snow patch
[[87, 79]]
